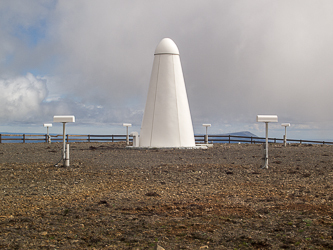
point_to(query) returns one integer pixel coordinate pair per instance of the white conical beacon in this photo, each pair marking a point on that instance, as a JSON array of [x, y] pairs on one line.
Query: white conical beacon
[[167, 120]]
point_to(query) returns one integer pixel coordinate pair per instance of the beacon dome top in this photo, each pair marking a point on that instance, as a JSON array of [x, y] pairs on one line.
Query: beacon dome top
[[166, 46]]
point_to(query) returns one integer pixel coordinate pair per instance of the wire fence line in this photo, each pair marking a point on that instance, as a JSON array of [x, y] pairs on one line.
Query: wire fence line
[[254, 139], [28, 138], [199, 139]]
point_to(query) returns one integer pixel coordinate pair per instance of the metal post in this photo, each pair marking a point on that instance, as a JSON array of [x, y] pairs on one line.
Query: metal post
[[266, 119], [64, 119], [127, 136], [206, 137], [285, 136], [266, 147], [67, 156], [48, 135], [285, 133], [64, 141]]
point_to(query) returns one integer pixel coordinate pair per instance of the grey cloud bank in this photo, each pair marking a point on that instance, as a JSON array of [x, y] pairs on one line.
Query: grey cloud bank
[[93, 59], [21, 97]]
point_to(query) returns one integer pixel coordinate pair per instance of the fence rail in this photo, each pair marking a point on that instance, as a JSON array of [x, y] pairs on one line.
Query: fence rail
[[252, 140], [28, 138]]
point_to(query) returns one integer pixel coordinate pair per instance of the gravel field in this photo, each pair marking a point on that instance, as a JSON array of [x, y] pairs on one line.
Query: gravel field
[[112, 197]]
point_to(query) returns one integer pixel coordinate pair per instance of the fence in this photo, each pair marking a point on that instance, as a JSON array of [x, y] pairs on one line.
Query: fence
[[251, 139], [28, 138]]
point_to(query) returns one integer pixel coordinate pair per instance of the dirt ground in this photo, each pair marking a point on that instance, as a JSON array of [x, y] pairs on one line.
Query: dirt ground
[[112, 197]]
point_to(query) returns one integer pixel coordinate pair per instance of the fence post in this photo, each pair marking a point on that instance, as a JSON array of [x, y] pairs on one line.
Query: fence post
[[46, 138], [274, 140], [229, 139], [23, 138], [88, 138], [67, 138], [0, 138], [112, 139]]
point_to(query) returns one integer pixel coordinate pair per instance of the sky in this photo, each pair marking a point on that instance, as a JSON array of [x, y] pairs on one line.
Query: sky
[[93, 59]]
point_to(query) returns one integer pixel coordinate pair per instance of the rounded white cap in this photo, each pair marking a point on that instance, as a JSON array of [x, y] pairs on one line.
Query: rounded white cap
[[166, 46]]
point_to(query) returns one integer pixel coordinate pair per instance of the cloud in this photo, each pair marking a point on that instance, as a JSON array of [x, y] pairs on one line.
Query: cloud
[[21, 97], [240, 58], [273, 61], [23, 28], [25, 99]]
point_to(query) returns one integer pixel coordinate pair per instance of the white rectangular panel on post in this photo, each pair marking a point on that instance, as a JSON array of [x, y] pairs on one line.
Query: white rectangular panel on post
[[47, 125], [267, 118], [63, 118]]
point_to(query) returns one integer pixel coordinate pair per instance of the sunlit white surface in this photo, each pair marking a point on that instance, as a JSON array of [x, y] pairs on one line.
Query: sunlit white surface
[[167, 120]]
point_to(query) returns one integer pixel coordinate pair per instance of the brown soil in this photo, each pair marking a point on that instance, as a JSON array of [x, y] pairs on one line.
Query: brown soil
[[117, 198]]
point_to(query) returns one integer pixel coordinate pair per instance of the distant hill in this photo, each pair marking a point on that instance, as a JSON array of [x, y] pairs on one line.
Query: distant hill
[[242, 133], [224, 137]]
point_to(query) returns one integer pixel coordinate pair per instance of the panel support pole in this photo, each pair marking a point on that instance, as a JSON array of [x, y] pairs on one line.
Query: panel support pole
[[64, 141], [266, 148]]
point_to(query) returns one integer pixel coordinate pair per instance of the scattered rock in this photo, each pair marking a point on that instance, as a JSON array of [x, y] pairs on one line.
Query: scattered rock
[[152, 194], [108, 201]]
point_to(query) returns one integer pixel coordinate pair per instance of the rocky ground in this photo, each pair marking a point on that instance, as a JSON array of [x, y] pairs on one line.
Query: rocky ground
[[112, 197]]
